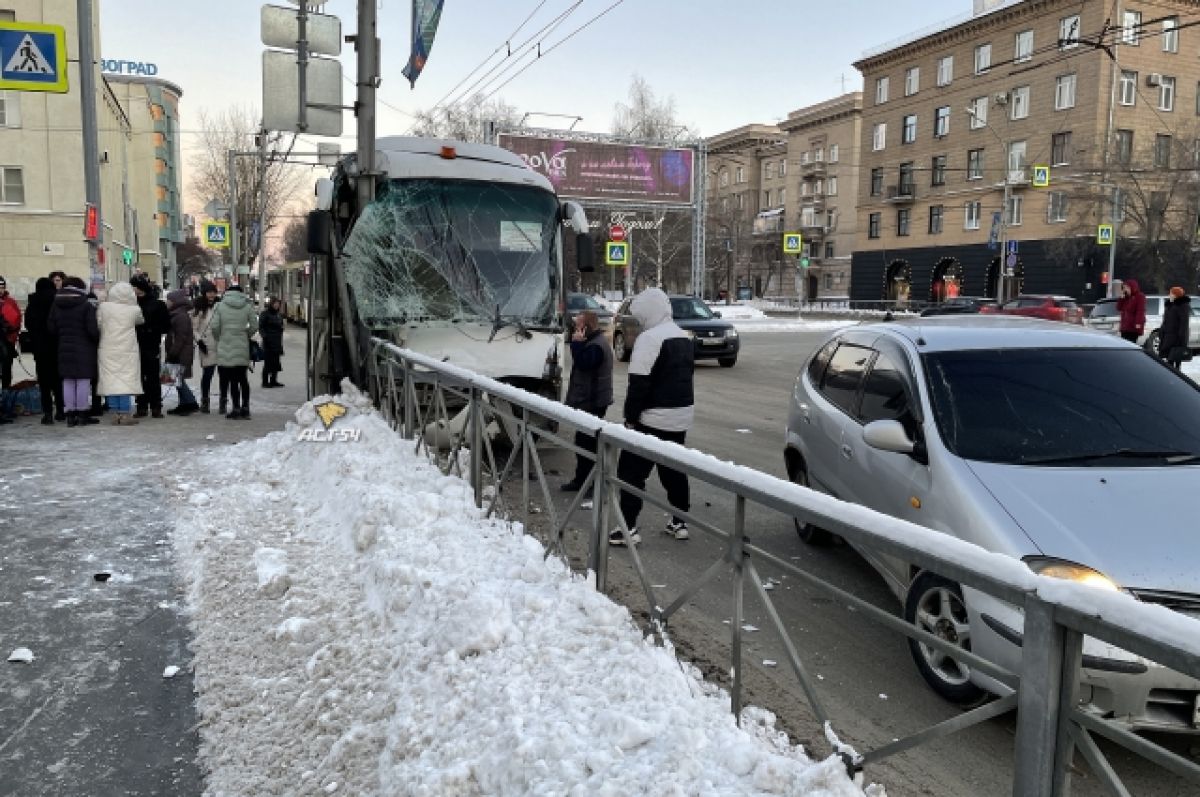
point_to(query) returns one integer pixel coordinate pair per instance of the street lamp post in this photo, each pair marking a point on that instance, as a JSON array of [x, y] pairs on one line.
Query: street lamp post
[[1001, 271]]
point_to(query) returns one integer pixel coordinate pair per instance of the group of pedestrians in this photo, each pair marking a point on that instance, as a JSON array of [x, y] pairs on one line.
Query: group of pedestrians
[[1174, 333], [94, 356]]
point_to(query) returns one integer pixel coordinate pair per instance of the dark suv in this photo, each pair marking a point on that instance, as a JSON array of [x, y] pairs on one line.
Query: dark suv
[[713, 338]]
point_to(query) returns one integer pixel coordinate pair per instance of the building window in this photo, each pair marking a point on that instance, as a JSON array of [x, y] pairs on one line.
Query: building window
[[724, 204], [945, 71], [912, 81], [937, 170], [975, 164], [768, 170], [876, 182], [1124, 146], [978, 113], [935, 219], [972, 216], [1166, 94], [879, 136], [805, 157], [1128, 87], [828, 253], [1060, 149], [1064, 92], [907, 184], [819, 154], [902, 217], [833, 153], [881, 90], [12, 186], [873, 225], [741, 201], [831, 189], [1170, 35], [1068, 32], [723, 178], [1057, 211], [983, 58], [1024, 47], [782, 197], [941, 121], [1131, 32], [7, 15], [1015, 203], [1162, 151], [783, 166], [909, 132], [1019, 102], [10, 109], [1016, 160], [741, 174], [831, 219], [1119, 204], [803, 189]]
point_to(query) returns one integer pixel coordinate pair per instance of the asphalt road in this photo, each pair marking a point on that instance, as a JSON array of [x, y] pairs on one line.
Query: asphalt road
[[867, 682]]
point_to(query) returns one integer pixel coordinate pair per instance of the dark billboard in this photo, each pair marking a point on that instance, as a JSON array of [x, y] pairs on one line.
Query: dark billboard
[[614, 172]]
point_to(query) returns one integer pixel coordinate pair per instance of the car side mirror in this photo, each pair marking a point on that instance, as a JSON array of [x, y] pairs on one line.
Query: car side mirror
[[888, 436], [583, 253], [717, 313]]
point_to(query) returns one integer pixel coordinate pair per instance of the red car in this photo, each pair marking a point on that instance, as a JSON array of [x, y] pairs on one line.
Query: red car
[[1050, 308]]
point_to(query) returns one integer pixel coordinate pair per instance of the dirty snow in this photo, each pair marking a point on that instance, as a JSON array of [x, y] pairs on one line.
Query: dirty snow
[[419, 648]]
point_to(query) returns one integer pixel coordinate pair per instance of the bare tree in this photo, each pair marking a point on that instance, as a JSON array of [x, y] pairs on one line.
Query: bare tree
[[646, 116], [270, 186], [472, 120], [665, 252], [727, 244], [294, 244]]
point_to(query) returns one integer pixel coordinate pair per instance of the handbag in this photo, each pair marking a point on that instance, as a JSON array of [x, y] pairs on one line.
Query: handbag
[[1180, 354], [25, 341], [169, 373], [256, 351]]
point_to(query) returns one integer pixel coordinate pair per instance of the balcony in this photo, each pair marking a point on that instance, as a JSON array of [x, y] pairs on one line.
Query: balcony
[[813, 228], [902, 193], [812, 200], [1018, 178], [812, 169]]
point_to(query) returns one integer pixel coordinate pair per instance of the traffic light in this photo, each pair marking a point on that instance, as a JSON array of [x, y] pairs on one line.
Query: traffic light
[[91, 223], [804, 261], [127, 257]]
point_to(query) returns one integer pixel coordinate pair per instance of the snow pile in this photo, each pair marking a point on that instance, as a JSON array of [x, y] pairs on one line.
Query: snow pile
[[737, 312], [360, 628], [1192, 368]]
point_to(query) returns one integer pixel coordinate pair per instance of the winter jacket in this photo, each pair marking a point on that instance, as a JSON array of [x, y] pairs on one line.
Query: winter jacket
[[180, 343], [591, 384], [202, 332], [270, 327], [1175, 325], [74, 326], [120, 358], [660, 368], [10, 319], [233, 324], [1133, 308], [150, 333], [37, 318]]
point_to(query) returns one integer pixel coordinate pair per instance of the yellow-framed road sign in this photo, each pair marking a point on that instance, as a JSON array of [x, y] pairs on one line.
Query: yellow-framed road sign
[[216, 234], [793, 243], [616, 253], [33, 57], [1104, 235], [1041, 176]]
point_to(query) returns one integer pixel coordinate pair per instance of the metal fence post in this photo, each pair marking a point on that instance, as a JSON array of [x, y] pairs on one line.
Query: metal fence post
[[737, 552], [408, 399], [598, 550], [1049, 670], [475, 419]]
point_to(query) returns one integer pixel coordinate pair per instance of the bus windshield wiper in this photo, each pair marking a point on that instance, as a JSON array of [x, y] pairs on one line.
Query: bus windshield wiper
[[1170, 457], [500, 322]]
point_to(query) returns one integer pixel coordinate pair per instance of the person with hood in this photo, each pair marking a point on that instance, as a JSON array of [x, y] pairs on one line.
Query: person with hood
[[233, 324], [1132, 307], [270, 326], [120, 355], [180, 346], [658, 402], [202, 310], [45, 349], [1173, 335], [73, 326], [157, 323], [10, 328], [590, 387]]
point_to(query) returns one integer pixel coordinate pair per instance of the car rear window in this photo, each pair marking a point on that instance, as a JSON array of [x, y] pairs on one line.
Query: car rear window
[[1030, 302], [1067, 303], [1017, 406], [843, 376], [1105, 310]]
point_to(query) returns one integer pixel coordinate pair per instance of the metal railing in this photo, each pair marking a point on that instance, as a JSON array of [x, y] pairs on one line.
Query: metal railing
[[446, 411], [847, 306]]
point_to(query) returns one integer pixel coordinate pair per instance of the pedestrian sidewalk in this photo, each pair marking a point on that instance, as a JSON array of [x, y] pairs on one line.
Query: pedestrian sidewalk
[[87, 585]]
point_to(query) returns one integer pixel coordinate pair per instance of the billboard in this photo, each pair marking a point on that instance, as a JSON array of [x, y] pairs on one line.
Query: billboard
[[612, 172]]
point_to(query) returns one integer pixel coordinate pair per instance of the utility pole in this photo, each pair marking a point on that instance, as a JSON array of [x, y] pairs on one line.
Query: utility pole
[[235, 250], [366, 45], [91, 148], [262, 212], [1112, 247], [1002, 274]]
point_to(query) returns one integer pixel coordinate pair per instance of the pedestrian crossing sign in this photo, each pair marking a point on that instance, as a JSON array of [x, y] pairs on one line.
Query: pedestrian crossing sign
[[33, 57], [616, 253], [793, 243], [1104, 235], [216, 233], [1041, 176]]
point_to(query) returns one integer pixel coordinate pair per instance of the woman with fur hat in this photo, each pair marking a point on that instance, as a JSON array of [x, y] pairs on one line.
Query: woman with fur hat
[[1173, 334], [120, 356]]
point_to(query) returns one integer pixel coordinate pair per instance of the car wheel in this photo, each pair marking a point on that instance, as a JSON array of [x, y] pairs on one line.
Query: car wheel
[[727, 362], [1151, 344], [809, 533], [935, 604], [619, 349]]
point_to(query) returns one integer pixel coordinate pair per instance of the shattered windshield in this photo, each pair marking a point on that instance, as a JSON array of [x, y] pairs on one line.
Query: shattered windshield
[[439, 250]]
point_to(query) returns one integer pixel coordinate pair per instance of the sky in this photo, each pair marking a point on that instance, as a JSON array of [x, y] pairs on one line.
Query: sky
[[724, 66]]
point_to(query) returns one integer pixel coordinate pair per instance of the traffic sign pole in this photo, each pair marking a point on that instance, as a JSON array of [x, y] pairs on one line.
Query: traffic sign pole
[[91, 148]]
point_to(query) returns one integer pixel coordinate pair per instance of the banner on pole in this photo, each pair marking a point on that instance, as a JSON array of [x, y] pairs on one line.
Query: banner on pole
[[425, 17]]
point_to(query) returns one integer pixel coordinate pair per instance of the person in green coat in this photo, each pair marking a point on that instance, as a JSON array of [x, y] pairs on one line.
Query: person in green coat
[[234, 322]]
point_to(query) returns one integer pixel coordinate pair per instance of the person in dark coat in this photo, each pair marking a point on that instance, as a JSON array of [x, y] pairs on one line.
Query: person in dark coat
[[1174, 333], [270, 327], [74, 324], [149, 335], [590, 387], [45, 350], [180, 347]]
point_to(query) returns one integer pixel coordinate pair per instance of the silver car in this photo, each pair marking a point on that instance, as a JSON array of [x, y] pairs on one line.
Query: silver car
[[1105, 317], [1071, 450]]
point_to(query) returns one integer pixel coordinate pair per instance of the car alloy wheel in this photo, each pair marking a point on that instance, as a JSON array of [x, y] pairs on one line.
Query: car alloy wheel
[[809, 533], [935, 605], [1151, 344]]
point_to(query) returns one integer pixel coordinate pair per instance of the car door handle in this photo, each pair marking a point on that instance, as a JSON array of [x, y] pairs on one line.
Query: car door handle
[[847, 451]]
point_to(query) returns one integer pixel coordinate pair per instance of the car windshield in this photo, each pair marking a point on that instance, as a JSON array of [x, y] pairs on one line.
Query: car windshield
[[689, 308], [445, 251], [1043, 406], [581, 301]]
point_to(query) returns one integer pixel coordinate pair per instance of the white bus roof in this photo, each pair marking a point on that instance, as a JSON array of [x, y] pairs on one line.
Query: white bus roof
[[410, 156]]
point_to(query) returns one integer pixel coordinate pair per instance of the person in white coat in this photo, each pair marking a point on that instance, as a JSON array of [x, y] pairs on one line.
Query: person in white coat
[[202, 310], [119, 356]]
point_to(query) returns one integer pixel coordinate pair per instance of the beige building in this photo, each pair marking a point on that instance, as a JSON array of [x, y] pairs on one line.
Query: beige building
[[42, 194], [956, 120]]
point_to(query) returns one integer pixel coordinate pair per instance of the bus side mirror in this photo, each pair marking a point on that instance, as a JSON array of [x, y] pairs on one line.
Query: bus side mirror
[[320, 229], [583, 252]]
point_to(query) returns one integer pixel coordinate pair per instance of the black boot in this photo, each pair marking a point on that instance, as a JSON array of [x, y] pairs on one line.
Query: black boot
[[223, 407], [72, 419], [47, 419], [204, 405], [275, 380], [233, 414], [86, 419]]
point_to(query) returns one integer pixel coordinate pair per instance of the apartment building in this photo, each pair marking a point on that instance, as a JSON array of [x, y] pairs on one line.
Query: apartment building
[[955, 119], [823, 153]]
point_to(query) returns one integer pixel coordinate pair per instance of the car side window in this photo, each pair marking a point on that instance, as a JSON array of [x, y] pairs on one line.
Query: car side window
[[1153, 306], [624, 308], [844, 375], [816, 366], [884, 397]]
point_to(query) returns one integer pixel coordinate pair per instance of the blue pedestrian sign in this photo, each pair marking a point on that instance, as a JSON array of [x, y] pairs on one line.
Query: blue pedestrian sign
[[33, 57], [216, 233], [616, 253], [1012, 247]]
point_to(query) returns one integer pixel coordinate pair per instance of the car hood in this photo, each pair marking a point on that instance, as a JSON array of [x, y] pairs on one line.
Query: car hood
[[1125, 522], [696, 324]]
